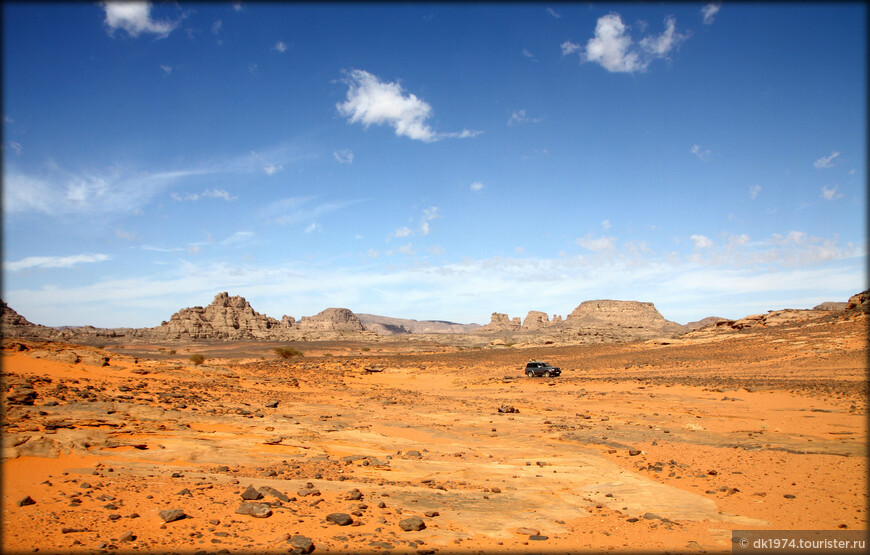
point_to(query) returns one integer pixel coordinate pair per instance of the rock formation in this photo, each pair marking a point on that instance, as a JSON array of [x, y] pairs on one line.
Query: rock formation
[[225, 318], [535, 320], [500, 322], [620, 320], [332, 319], [859, 302], [831, 306], [384, 325]]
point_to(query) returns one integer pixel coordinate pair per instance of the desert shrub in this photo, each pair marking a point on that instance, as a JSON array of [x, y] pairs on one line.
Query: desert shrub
[[172, 352], [366, 349], [101, 346], [197, 359], [287, 352]]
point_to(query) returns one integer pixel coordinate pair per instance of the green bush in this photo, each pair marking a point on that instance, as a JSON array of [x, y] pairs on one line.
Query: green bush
[[288, 352], [197, 359]]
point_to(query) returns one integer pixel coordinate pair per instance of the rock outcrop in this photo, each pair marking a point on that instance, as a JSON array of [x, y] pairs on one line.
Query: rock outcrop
[[621, 320], [332, 319], [831, 306], [225, 318], [536, 320], [500, 322], [859, 302]]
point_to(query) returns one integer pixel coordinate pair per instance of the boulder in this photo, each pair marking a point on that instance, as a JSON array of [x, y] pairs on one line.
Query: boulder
[[859, 302]]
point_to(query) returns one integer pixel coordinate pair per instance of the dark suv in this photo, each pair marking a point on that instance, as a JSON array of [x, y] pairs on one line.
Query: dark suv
[[538, 368]]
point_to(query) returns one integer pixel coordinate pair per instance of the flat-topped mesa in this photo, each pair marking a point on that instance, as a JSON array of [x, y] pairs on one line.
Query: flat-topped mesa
[[332, 319], [639, 319], [500, 322], [225, 318]]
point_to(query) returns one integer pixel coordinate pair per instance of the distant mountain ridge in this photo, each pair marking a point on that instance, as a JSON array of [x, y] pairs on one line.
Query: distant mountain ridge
[[232, 318]]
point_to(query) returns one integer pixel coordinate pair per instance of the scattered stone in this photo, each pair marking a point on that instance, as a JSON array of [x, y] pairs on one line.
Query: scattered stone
[[127, 537], [26, 501], [413, 453], [634, 452], [250, 494], [342, 519], [171, 515], [651, 516], [495, 489], [789, 496], [508, 409], [431, 514], [268, 490], [223, 468], [354, 495], [66, 530], [274, 440], [413, 523], [273, 404], [185, 492], [301, 544], [256, 510], [539, 538], [528, 531]]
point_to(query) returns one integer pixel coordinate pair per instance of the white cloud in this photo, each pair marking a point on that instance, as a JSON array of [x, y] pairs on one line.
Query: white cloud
[[343, 156], [709, 11], [754, 191], [293, 210], [403, 232], [596, 244], [370, 101], [700, 153], [128, 235], [701, 241], [166, 69], [569, 47], [826, 161], [272, 169], [312, 227], [519, 117], [237, 6], [407, 249], [7, 119], [135, 18], [280, 46], [208, 193], [477, 186], [16, 147], [831, 192], [661, 45], [53, 261], [554, 13], [238, 238], [529, 55], [613, 48], [216, 27], [605, 225]]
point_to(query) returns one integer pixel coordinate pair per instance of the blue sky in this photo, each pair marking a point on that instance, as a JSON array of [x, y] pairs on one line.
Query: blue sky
[[431, 161]]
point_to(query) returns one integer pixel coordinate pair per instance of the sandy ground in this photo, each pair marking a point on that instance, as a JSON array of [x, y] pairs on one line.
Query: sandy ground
[[635, 447]]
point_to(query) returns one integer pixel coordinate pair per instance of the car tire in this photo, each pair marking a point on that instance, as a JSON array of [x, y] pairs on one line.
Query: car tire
[[547, 374], [530, 374]]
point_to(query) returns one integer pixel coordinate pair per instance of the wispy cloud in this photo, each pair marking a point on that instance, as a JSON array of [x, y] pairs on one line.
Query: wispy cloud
[[280, 46], [554, 13], [135, 19], [831, 192], [54, 261], [294, 210], [708, 13], [371, 101], [826, 161], [208, 193], [529, 55], [596, 244], [701, 241], [343, 156], [613, 48], [754, 191], [700, 153], [216, 27], [520, 117], [476, 186]]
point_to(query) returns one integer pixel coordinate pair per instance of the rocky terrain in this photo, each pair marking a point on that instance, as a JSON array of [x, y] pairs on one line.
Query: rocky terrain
[[232, 319], [418, 446]]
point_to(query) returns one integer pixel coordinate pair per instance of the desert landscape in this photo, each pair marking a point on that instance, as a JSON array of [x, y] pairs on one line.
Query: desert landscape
[[223, 430]]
